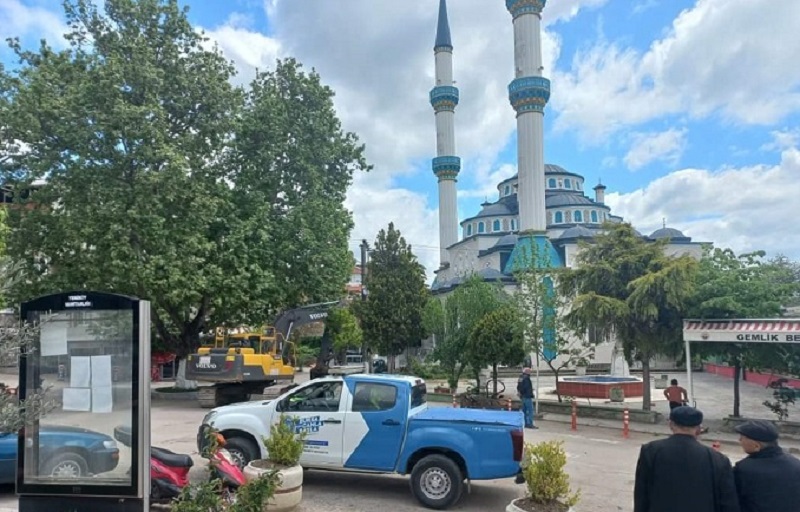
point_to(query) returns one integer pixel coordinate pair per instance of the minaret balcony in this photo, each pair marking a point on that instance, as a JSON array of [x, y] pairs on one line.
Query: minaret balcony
[[519, 7], [446, 167], [444, 97], [529, 94]]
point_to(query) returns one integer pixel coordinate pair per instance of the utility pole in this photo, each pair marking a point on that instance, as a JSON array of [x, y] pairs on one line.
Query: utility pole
[[364, 248]]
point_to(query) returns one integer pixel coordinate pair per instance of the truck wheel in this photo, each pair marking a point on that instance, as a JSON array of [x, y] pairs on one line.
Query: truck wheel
[[242, 450], [437, 482]]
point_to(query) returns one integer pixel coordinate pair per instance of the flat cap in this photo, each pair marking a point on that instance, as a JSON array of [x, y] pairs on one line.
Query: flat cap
[[758, 430], [686, 416]]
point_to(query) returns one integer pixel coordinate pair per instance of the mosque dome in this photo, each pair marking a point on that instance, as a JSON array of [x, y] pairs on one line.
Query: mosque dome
[[577, 232], [671, 233]]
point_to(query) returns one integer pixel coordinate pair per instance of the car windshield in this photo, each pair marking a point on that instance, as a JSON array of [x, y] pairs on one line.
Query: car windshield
[[419, 395]]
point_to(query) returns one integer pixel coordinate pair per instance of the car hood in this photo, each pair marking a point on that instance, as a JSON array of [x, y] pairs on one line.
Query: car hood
[[61, 430], [450, 414], [242, 406]]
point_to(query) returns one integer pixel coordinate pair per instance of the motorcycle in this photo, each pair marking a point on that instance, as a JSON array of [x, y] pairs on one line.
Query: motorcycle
[[169, 471]]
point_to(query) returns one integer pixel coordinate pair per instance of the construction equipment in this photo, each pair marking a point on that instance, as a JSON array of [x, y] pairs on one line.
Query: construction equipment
[[240, 362]]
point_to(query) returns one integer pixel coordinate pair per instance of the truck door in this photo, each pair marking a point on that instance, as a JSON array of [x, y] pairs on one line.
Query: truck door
[[375, 425], [317, 409]]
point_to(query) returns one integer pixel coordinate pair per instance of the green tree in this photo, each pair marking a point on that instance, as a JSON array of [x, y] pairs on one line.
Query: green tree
[[541, 307], [627, 287], [740, 286], [164, 181], [391, 317], [497, 339], [463, 309], [344, 330]]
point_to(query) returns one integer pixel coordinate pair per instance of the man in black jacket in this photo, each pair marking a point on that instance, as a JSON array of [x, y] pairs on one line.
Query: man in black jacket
[[767, 479], [679, 474], [525, 392]]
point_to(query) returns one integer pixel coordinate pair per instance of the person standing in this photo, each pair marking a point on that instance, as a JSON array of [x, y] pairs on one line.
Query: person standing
[[676, 395], [525, 392], [766, 480], [679, 474]]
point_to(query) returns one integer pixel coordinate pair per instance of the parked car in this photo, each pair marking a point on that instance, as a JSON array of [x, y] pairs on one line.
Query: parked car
[[65, 452], [381, 424]]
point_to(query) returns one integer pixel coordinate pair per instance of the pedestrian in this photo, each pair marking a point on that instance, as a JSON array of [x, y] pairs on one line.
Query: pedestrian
[[525, 392], [766, 480], [676, 395], [679, 474]]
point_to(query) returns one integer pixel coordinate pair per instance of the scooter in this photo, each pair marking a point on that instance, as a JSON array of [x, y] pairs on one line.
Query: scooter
[[169, 471]]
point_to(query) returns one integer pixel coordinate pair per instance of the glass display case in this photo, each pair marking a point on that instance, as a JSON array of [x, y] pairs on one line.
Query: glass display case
[[90, 361]]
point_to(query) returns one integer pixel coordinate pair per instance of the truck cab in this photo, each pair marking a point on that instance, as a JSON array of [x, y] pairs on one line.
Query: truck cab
[[381, 424]]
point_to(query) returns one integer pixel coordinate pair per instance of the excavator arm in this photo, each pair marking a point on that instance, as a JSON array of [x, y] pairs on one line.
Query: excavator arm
[[291, 319]]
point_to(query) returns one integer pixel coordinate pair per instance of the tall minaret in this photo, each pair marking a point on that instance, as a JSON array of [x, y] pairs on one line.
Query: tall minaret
[[528, 94], [444, 98]]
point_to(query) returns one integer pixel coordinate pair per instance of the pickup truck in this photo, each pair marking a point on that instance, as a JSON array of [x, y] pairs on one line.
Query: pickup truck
[[381, 424]]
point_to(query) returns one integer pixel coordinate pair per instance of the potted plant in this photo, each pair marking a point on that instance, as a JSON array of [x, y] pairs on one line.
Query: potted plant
[[284, 448], [580, 367], [547, 483]]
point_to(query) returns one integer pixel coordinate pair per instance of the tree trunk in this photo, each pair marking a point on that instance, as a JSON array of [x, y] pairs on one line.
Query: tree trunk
[[737, 371], [558, 390], [180, 378], [494, 381], [646, 383]]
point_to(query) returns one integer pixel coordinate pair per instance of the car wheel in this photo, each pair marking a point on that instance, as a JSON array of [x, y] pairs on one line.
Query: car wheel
[[242, 450], [66, 465], [437, 482]]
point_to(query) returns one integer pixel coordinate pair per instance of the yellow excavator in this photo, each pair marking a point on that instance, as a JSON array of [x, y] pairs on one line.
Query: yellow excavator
[[240, 362]]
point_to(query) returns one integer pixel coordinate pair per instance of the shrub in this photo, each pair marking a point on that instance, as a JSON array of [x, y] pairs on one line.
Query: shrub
[[284, 445], [543, 467]]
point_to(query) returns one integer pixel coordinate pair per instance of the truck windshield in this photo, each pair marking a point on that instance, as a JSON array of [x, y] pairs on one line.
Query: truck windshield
[[419, 395]]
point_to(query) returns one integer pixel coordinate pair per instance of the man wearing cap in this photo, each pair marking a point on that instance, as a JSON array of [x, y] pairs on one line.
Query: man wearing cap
[[767, 479], [679, 474], [525, 391]]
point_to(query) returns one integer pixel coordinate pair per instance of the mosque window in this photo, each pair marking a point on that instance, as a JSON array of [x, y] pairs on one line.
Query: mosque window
[[559, 218], [507, 190], [578, 216], [513, 224], [551, 183], [469, 229], [481, 227], [578, 185], [568, 184], [594, 216], [496, 226]]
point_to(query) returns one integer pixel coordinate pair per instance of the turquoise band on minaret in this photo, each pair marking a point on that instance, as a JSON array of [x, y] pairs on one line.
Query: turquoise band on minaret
[[520, 7], [444, 97], [529, 94]]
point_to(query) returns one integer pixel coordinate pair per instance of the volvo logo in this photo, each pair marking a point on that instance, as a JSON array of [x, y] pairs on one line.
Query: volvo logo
[[206, 365]]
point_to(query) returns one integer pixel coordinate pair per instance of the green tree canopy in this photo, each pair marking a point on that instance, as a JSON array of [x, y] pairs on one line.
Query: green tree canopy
[[391, 317], [497, 339], [164, 181], [344, 330], [627, 287]]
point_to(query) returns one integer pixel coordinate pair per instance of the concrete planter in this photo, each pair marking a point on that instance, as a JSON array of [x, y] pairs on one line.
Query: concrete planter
[[512, 507], [580, 370], [601, 412], [289, 492]]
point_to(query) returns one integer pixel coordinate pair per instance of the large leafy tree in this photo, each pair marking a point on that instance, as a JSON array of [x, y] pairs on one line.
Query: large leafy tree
[[461, 311], [627, 287], [497, 339], [741, 286], [343, 328], [391, 317], [166, 182]]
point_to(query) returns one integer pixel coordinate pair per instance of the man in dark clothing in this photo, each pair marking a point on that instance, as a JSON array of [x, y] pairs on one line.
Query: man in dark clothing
[[679, 474], [767, 479], [525, 392]]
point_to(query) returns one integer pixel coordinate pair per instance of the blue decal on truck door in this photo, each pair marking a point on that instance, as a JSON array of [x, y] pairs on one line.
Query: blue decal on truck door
[[375, 425]]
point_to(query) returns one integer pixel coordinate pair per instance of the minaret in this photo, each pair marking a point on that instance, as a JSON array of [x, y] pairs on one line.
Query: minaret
[[528, 94], [444, 98]]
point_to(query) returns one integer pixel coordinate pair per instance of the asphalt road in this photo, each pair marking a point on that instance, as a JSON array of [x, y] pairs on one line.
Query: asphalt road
[[601, 464]]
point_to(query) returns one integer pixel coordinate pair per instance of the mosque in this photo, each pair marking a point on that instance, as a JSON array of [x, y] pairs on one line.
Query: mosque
[[544, 205], [544, 209]]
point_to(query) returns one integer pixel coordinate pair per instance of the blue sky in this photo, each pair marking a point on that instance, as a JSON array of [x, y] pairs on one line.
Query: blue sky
[[686, 109]]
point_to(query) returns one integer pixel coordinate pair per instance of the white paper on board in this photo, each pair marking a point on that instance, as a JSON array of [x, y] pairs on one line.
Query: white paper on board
[[101, 371], [76, 399], [53, 336], [80, 373], [102, 399]]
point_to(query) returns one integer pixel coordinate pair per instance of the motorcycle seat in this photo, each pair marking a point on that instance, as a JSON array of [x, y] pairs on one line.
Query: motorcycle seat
[[175, 460]]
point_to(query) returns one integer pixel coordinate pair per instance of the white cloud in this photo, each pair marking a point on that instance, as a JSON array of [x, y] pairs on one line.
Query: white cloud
[[745, 209], [735, 58], [19, 20], [783, 139], [248, 49], [667, 146]]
